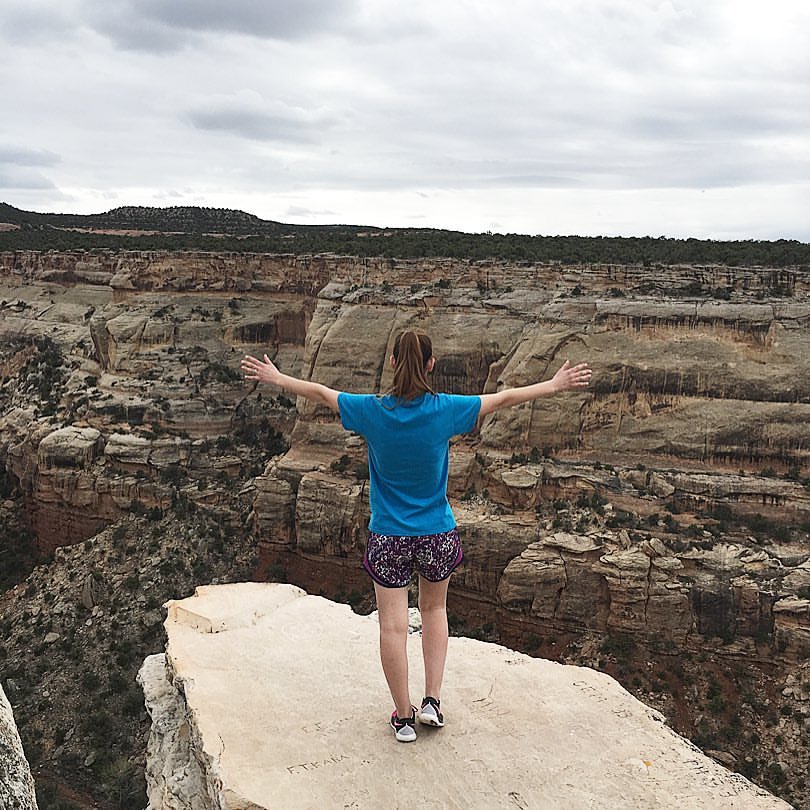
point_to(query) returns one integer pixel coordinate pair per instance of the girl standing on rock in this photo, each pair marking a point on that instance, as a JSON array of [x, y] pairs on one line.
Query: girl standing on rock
[[412, 526]]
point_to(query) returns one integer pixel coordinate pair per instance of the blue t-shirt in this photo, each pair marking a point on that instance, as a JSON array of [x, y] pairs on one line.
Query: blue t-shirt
[[408, 456]]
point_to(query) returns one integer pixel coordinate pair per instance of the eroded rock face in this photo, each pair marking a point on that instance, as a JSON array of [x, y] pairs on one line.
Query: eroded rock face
[[660, 369], [152, 342], [173, 775], [719, 596], [114, 400], [152, 401], [16, 784], [251, 706]]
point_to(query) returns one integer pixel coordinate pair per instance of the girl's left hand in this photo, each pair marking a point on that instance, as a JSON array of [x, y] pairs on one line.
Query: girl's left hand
[[569, 376]]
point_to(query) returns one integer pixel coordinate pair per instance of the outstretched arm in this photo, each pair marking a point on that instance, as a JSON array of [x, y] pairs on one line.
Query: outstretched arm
[[567, 378], [267, 372]]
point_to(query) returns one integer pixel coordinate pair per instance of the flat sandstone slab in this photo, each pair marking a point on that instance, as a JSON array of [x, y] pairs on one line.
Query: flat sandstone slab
[[286, 696]]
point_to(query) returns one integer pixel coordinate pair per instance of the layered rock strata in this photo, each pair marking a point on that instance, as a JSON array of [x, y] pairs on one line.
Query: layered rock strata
[[691, 397], [267, 697], [151, 342], [197, 270], [737, 597], [143, 403], [661, 369]]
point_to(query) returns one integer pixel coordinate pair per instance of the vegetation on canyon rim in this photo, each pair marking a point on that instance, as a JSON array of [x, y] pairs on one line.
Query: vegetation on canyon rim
[[221, 230]]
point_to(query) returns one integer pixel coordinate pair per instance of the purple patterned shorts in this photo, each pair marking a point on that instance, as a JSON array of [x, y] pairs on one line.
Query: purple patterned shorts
[[390, 559]]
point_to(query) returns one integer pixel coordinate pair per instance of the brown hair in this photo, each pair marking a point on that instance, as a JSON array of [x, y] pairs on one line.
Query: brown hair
[[412, 353]]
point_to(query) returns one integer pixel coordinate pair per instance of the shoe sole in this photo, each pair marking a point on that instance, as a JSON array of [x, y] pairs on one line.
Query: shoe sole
[[430, 720]]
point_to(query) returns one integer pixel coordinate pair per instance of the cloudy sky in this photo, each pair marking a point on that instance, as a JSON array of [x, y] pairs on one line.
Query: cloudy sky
[[612, 117]]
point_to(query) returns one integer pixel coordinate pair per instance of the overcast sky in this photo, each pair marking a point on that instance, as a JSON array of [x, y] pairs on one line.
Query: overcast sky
[[612, 117]]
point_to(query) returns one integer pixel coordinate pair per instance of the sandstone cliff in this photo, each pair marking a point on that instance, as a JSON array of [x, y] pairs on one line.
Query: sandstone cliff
[[269, 698], [661, 515], [148, 384], [16, 784]]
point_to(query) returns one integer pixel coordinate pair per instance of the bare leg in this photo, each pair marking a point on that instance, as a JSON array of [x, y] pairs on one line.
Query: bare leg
[[433, 607], [392, 604]]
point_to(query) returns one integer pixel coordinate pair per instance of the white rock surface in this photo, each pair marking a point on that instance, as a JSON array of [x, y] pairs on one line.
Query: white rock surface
[[16, 783], [173, 775], [270, 698]]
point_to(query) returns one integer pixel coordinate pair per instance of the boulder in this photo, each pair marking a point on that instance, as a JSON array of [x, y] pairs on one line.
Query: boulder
[[72, 446]]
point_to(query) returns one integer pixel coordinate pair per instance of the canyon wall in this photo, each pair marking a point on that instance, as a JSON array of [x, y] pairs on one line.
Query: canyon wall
[[697, 421]]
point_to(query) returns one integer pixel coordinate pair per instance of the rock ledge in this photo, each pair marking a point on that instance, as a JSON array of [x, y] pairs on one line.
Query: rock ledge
[[270, 698]]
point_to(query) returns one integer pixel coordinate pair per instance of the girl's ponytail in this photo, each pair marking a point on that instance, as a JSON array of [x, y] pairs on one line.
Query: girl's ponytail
[[412, 353]]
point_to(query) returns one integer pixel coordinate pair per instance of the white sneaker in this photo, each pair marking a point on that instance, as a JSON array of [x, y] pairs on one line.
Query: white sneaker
[[404, 729], [429, 714]]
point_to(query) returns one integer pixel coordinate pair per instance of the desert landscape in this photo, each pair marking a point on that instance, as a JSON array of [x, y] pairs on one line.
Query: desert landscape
[[654, 527]]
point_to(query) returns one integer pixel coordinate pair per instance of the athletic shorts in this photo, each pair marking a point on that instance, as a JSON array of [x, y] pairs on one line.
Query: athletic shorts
[[390, 560]]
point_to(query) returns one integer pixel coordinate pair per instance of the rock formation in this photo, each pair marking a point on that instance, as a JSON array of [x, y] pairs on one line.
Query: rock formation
[[16, 784], [150, 344], [269, 698]]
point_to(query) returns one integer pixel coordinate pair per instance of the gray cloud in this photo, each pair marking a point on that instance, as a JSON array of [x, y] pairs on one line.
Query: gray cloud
[[251, 124], [23, 156], [36, 21], [248, 115], [161, 26], [302, 212], [128, 30], [20, 168], [20, 177], [275, 19]]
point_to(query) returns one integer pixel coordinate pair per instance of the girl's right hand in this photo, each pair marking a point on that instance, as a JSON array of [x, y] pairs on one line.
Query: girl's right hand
[[259, 371]]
